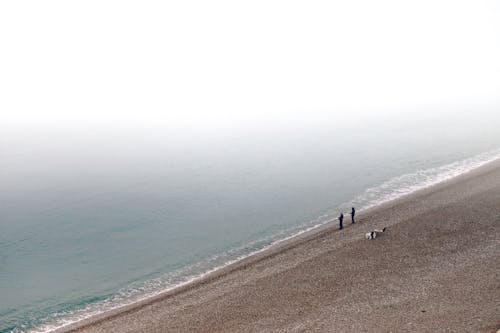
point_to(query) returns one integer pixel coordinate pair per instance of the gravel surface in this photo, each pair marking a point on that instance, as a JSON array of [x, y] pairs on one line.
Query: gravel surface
[[435, 269]]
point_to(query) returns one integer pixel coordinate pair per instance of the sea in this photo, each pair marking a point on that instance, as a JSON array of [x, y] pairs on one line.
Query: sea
[[92, 219]]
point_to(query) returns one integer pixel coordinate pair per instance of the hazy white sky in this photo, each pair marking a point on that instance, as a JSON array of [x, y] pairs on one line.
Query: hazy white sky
[[206, 63]]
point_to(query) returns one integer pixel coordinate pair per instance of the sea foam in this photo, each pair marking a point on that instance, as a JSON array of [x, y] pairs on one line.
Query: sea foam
[[406, 184]]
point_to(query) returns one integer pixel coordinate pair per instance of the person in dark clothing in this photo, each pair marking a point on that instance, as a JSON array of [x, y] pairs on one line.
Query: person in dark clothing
[[353, 212], [341, 219]]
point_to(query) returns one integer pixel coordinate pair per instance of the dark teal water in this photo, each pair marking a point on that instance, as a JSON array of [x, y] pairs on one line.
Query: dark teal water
[[90, 221]]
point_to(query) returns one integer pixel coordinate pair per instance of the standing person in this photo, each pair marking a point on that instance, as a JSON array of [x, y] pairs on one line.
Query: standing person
[[353, 211], [341, 219]]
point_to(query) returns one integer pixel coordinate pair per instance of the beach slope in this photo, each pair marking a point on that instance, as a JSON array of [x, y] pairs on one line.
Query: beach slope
[[436, 269]]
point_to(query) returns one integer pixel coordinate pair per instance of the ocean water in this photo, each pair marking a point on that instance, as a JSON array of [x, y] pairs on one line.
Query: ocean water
[[93, 220]]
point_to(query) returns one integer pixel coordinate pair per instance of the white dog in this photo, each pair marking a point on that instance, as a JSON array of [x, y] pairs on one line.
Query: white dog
[[373, 234]]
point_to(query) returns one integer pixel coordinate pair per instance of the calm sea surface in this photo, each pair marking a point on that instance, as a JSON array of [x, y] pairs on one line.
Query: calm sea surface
[[93, 220]]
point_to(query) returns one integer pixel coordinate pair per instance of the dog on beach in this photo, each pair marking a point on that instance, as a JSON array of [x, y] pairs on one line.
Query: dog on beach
[[373, 234]]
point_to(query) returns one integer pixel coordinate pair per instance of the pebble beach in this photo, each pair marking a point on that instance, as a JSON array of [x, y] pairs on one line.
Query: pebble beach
[[435, 269]]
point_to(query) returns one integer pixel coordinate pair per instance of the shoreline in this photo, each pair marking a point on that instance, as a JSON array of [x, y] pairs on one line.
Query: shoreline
[[282, 247]]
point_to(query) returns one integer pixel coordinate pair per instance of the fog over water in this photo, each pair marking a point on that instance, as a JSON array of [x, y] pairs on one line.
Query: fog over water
[[86, 215]]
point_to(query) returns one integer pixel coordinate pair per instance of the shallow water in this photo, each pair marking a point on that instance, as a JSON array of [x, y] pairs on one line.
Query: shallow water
[[93, 220]]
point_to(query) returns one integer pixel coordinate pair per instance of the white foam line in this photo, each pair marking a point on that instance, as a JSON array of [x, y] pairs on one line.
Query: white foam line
[[191, 279], [429, 177], [409, 183]]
